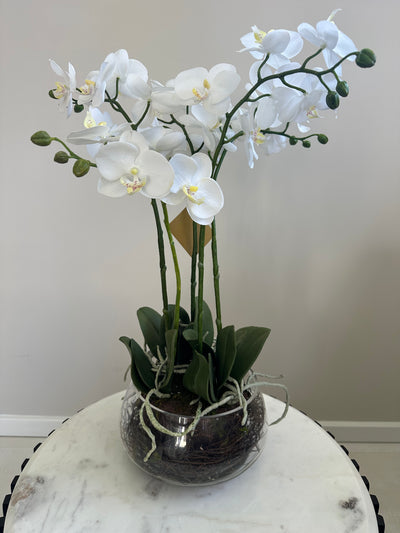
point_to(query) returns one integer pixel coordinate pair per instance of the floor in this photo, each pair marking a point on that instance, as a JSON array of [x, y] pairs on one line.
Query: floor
[[380, 463]]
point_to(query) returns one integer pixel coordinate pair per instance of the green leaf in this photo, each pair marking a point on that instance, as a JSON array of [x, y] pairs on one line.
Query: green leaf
[[171, 338], [211, 373], [197, 377], [208, 323], [249, 343], [190, 335], [150, 324], [141, 374], [183, 318], [226, 353]]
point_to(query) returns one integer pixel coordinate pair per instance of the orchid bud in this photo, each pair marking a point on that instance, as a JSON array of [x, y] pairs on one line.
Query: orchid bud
[[292, 141], [81, 167], [61, 157], [332, 100], [78, 108], [306, 144], [41, 138], [342, 88], [323, 139], [365, 58]]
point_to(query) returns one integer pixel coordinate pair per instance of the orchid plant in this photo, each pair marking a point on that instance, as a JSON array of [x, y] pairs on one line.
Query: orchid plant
[[168, 142]]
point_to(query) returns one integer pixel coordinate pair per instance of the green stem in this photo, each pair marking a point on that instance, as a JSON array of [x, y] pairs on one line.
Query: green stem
[[70, 152], [118, 107], [176, 266], [135, 126], [201, 288], [214, 252], [163, 266], [216, 275], [260, 81], [193, 274]]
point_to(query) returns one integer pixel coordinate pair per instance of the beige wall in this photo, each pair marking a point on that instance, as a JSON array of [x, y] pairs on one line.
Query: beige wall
[[309, 240]]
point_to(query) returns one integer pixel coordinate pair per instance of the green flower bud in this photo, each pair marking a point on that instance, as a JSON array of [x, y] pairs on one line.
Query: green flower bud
[[41, 138], [323, 139], [61, 157], [365, 58], [292, 141], [342, 88], [332, 100], [306, 144], [78, 108], [81, 167]]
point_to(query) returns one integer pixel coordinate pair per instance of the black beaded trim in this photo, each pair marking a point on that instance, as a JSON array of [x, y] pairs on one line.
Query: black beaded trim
[[374, 499], [7, 498]]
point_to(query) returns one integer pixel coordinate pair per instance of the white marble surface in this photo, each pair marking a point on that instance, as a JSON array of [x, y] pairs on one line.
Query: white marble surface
[[81, 481]]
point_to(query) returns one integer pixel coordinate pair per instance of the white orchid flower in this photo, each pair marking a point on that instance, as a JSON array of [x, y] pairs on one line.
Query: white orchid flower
[[326, 35], [280, 45], [253, 137], [164, 100], [273, 144], [64, 91], [192, 184], [203, 126], [132, 74], [99, 129], [130, 167], [164, 140], [100, 78], [211, 88]]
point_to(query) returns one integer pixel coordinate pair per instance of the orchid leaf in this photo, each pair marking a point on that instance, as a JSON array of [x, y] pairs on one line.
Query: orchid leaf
[[249, 343], [197, 377], [226, 353], [150, 324], [141, 372], [211, 373], [171, 338], [208, 324], [183, 319]]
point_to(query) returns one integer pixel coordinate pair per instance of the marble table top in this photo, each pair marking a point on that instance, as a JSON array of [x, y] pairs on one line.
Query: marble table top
[[81, 481]]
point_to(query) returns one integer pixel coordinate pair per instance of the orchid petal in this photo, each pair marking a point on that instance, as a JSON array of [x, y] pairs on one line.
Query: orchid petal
[[212, 200], [113, 189], [116, 159], [158, 173]]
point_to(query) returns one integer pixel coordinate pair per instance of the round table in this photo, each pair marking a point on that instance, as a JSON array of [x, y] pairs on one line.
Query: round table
[[80, 480]]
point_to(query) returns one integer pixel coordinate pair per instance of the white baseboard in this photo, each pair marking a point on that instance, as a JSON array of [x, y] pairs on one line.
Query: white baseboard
[[28, 425], [363, 431], [41, 426]]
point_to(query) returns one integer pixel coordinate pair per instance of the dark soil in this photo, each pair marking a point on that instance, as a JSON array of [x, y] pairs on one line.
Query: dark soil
[[218, 448]]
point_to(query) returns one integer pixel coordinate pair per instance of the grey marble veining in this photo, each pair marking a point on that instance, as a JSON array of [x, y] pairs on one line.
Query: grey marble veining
[[81, 481]]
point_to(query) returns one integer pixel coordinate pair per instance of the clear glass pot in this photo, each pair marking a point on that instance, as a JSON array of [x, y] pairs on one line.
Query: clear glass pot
[[218, 449]]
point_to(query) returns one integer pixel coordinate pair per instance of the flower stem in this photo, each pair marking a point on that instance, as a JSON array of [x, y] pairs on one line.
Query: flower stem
[[216, 275], [176, 266], [201, 288], [193, 276], [163, 266]]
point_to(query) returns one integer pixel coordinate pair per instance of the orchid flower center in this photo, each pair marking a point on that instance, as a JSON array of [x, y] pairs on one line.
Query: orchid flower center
[[90, 122], [202, 92], [61, 90], [88, 88], [312, 112], [258, 137], [259, 36], [132, 181], [190, 191]]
